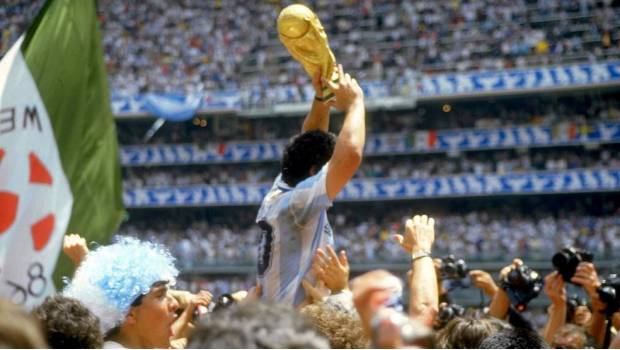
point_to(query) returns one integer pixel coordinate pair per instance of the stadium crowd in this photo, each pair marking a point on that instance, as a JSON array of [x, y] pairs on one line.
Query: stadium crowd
[[392, 167], [193, 45], [481, 234], [369, 310], [531, 110]]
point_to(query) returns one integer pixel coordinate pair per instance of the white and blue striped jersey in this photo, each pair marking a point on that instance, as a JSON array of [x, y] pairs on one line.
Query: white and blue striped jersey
[[293, 225]]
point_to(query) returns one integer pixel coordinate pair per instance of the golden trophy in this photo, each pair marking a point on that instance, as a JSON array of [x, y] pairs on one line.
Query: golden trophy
[[301, 32]]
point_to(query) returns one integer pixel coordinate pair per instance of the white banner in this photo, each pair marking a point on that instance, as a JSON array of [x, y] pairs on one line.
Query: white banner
[[35, 198]]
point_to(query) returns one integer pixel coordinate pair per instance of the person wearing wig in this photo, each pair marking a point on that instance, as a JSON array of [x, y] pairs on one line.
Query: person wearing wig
[[125, 285]]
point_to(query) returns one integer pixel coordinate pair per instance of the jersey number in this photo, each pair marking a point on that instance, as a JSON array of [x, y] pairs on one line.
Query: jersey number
[[265, 247]]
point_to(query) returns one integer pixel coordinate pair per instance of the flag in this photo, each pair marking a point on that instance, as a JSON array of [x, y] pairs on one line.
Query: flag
[[59, 169]]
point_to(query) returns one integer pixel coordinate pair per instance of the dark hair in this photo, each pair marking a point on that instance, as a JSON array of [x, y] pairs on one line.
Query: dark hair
[[467, 332], [19, 329], [255, 326], [515, 338], [306, 151], [67, 323]]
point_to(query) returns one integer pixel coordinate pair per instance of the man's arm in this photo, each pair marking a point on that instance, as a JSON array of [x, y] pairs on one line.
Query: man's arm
[[554, 288], [501, 302], [350, 142], [418, 241], [587, 277], [318, 117]]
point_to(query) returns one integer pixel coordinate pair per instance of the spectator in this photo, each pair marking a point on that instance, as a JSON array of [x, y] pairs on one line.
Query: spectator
[[18, 329], [68, 324], [514, 338], [467, 332], [256, 325], [126, 286]]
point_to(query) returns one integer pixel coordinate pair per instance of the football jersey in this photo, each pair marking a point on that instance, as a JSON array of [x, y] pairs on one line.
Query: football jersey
[[293, 222]]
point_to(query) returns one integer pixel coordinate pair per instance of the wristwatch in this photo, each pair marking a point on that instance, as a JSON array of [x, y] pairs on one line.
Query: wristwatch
[[420, 254]]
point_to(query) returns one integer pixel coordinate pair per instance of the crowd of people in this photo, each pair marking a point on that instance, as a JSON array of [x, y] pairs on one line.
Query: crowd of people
[[480, 234], [516, 111], [393, 167], [141, 305], [192, 45]]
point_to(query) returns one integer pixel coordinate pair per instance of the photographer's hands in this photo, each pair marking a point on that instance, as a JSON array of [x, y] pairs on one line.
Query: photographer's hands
[[587, 277], [483, 281], [555, 290], [501, 302]]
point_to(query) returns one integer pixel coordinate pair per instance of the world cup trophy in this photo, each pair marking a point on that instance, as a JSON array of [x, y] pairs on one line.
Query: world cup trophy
[[301, 32]]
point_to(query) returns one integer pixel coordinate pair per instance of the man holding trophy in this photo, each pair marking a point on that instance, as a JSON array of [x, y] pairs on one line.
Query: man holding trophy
[[316, 165]]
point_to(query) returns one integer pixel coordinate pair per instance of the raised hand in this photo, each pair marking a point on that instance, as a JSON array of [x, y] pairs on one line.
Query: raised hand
[[587, 277], [347, 91], [75, 247], [483, 281], [332, 269], [554, 288], [419, 234]]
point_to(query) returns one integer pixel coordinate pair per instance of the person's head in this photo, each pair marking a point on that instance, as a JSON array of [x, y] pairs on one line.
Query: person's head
[[67, 323], [125, 284], [570, 337], [305, 155], [578, 311], [514, 338], [467, 332], [19, 329], [338, 321], [256, 325]]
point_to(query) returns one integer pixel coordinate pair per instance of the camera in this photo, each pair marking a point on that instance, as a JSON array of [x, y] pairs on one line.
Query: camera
[[224, 301], [574, 301], [452, 268], [566, 261], [448, 312], [609, 293], [522, 284]]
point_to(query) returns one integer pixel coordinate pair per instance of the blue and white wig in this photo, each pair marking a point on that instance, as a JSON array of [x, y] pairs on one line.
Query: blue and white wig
[[112, 277]]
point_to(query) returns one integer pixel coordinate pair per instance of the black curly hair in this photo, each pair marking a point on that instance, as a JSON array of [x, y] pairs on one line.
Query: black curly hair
[[67, 323], [305, 152]]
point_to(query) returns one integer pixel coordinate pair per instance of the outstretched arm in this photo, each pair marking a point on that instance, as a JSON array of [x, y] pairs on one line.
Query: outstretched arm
[[318, 117], [500, 304], [350, 143], [418, 241], [554, 288]]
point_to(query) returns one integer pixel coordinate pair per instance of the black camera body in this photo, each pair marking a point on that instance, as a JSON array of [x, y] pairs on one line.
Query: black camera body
[[448, 312], [566, 261], [452, 268], [522, 284], [609, 293], [224, 301]]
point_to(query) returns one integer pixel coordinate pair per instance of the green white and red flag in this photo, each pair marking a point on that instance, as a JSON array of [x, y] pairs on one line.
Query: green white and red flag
[[59, 169]]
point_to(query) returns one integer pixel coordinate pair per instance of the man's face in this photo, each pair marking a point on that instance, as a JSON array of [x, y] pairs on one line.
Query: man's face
[[154, 317], [582, 315]]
